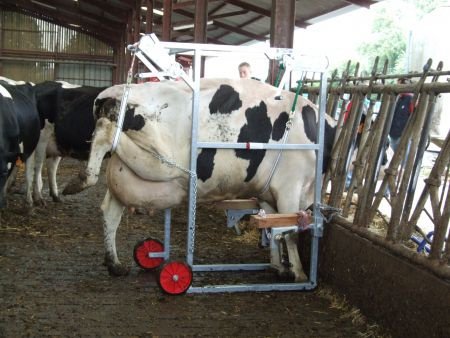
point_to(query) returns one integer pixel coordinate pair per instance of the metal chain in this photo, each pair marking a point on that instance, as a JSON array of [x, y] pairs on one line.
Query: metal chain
[[331, 211]]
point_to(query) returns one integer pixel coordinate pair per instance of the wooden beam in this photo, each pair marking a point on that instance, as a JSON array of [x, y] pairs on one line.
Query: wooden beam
[[200, 36], [248, 22], [218, 8], [210, 17], [361, 3], [238, 204], [185, 13], [136, 20], [250, 7], [167, 20], [227, 15], [201, 19], [274, 220], [239, 31], [282, 25], [149, 17], [184, 4]]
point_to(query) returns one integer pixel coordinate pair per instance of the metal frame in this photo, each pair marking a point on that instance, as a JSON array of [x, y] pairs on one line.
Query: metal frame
[[155, 55]]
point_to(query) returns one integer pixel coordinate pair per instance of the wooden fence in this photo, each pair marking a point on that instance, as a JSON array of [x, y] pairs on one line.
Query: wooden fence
[[359, 204]]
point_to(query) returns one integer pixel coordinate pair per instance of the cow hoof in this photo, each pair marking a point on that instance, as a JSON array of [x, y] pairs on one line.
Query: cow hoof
[[286, 276], [73, 187], [56, 199], [39, 202], [118, 270], [301, 278]]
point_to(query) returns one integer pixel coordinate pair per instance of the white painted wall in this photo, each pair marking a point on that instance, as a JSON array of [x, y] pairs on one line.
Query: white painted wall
[[429, 39]]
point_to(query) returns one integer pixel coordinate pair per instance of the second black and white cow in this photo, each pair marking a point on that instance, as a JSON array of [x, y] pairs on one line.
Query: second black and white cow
[[68, 123], [19, 133], [149, 167]]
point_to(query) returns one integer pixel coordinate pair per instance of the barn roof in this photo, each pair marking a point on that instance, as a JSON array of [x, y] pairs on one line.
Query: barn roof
[[233, 22]]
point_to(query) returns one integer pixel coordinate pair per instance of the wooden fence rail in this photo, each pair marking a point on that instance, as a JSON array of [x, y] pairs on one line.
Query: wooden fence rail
[[397, 183]]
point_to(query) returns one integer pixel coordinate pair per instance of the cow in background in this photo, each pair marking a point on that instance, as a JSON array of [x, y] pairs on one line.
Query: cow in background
[[149, 167], [66, 115], [19, 133]]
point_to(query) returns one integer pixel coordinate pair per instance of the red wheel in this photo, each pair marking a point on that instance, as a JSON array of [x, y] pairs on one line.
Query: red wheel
[[175, 278], [142, 251]]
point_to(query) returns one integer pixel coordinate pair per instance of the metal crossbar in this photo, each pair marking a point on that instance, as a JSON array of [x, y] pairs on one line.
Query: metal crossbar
[[157, 57]]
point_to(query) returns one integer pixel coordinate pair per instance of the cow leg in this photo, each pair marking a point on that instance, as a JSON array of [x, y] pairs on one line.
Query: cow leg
[[29, 174], [11, 178], [293, 202], [291, 239], [52, 168], [112, 214], [40, 153], [39, 156]]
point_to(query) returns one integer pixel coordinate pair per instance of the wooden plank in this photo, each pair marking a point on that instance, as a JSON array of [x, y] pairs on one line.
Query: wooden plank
[[238, 204], [274, 220]]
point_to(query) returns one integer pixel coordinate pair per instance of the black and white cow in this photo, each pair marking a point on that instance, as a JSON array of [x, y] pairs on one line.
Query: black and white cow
[[157, 131], [19, 128], [66, 115]]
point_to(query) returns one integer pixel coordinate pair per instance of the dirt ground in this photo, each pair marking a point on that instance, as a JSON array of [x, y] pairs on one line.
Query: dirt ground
[[53, 283]]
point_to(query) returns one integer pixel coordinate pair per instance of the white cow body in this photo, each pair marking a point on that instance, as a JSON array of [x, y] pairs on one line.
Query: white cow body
[[139, 175]]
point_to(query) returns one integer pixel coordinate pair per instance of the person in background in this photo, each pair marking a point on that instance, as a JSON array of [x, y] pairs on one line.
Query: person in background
[[245, 71], [403, 109]]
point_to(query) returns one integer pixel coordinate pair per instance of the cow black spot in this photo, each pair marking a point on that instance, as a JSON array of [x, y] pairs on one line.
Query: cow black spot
[[225, 100], [310, 123], [279, 126], [205, 163], [131, 121], [330, 133], [257, 129]]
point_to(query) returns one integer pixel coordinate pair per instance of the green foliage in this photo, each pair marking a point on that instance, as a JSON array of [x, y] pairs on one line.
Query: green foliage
[[424, 6], [387, 41], [390, 31]]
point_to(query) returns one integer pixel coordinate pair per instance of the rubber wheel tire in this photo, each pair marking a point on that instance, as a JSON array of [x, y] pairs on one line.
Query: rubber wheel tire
[[175, 277], [141, 251]]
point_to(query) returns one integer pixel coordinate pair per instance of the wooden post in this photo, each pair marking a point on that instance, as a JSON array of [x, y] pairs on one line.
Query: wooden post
[[282, 26], [167, 20], [149, 17], [200, 21]]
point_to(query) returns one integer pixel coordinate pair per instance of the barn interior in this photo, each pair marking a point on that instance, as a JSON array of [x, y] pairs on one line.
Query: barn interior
[[83, 42], [105, 27]]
